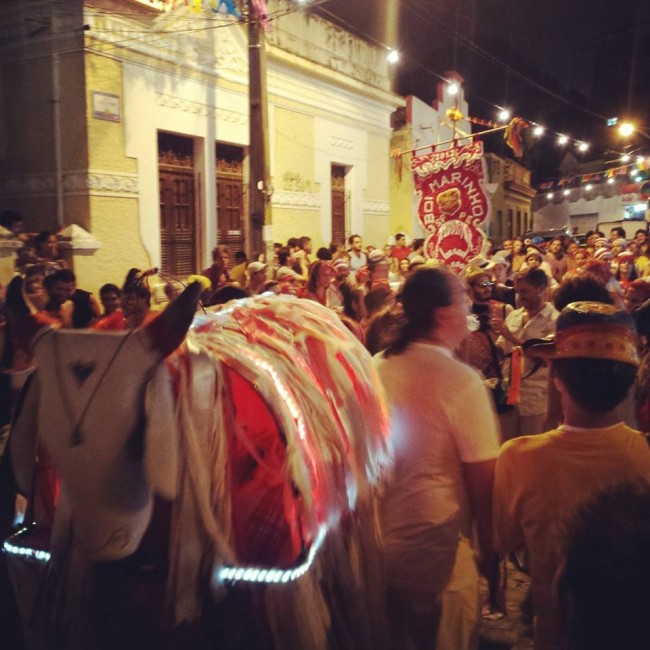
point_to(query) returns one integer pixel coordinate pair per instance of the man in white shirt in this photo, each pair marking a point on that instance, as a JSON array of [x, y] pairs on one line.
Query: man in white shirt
[[358, 258], [535, 319], [444, 435]]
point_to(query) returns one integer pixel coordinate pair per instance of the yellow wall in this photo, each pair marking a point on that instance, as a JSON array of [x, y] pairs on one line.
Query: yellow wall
[[296, 223], [293, 153], [294, 150], [114, 221], [401, 191], [105, 138], [117, 230]]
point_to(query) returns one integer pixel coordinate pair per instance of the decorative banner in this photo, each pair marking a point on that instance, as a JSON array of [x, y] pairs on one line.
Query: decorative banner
[[453, 204]]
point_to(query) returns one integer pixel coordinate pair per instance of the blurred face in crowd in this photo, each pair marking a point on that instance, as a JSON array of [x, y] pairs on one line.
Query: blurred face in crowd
[[480, 288], [136, 303], [404, 265], [634, 297], [61, 291], [110, 301], [517, 246], [533, 261], [580, 255], [500, 272], [572, 248], [641, 237], [530, 298], [49, 248], [555, 247], [625, 268], [356, 244], [388, 250], [507, 245]]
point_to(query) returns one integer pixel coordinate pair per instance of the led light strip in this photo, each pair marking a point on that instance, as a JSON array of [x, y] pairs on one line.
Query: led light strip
[[252, 574], [41, 556]]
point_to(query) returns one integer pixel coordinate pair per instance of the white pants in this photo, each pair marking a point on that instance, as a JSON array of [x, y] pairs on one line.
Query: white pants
[[423, 620]]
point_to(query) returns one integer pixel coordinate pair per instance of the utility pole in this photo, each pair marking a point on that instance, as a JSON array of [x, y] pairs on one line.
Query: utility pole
[[259, 214]]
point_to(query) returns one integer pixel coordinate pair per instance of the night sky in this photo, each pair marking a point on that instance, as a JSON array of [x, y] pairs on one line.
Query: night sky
[[567, 64]]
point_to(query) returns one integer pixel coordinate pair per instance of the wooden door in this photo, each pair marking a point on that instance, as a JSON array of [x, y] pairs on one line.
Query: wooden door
[[177, 205], [230, 198], [338, 204]]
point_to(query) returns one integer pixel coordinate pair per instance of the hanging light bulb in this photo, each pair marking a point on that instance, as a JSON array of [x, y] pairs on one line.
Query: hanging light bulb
[[393, 56], [566, 192], [582, 146], [640, 160], [452, 88], [610, 181], [626, 129], [625, 157], [562, 139], [588, 187], [504, 115], [538, 130], [549, 196]]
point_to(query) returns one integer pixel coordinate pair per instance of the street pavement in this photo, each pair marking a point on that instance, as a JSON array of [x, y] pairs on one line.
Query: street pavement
[[513, 631]]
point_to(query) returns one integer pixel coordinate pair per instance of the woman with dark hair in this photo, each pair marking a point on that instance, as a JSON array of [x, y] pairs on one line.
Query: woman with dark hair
[[444, 436], [320, 276]]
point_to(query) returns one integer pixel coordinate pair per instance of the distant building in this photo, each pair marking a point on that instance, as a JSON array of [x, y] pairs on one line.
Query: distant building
[[591, 200], [512, 198]]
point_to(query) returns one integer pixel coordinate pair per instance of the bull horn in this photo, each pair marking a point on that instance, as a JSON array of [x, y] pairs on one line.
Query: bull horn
[[169, 329], [23, 325]]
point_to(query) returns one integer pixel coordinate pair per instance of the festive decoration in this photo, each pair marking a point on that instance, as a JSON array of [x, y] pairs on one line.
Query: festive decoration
[[453, 114], [512, 135], [228, 7], [606, 175], [261, 14], [453, 204]]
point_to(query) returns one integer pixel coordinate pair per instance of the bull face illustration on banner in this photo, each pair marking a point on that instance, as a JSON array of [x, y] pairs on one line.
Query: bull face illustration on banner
[[453, 205]]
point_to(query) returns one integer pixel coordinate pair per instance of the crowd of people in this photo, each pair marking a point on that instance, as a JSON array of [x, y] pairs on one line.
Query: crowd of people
[[474, 476]]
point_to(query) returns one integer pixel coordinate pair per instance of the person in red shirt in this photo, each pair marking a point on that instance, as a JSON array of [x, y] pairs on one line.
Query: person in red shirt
[[400, 250]]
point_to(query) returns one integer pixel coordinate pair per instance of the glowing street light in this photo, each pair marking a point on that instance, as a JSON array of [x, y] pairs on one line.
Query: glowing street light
[[583, 146], [538, 131], [563, 139], [452, 88], [504, 115], [393, 56], [626, 129]]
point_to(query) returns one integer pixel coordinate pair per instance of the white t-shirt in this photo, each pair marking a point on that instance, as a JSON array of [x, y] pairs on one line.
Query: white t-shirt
[[534, 382], [441, 417], [358, 261]]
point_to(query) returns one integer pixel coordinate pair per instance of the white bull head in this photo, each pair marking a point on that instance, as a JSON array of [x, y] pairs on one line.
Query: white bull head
[[85, 404]]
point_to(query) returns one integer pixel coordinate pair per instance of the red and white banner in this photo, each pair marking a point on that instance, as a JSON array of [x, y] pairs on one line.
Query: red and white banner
[[453, 205]]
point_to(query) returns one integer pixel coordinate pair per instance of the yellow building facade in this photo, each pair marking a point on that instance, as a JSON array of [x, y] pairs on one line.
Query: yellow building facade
[[132, 123]]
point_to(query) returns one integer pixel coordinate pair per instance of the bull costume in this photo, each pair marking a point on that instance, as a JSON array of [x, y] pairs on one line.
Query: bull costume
[[271, 483]]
